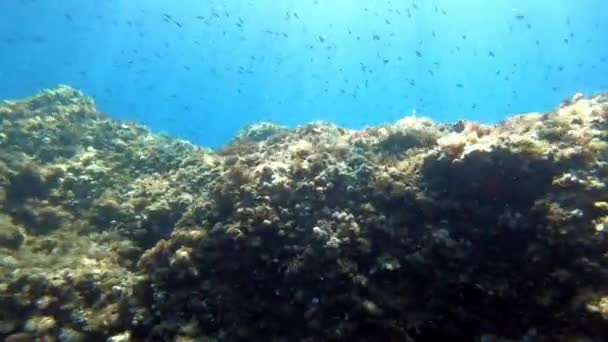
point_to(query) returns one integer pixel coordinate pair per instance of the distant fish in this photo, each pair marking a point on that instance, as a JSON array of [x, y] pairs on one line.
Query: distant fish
[[418, 54], [38, 39]]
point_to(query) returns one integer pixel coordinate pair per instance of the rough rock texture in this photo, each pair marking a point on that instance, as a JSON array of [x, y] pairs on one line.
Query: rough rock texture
[[413, 231]]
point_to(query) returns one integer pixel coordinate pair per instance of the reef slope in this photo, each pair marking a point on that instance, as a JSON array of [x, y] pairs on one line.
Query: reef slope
[[413, 231]]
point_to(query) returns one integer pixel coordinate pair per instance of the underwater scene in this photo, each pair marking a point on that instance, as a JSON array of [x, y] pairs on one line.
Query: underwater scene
[[307, 170]]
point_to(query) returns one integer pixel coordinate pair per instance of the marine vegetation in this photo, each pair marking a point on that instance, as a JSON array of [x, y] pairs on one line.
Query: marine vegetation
[[414, 231]]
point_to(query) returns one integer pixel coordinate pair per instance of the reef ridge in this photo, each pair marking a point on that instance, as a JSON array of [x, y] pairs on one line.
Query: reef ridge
[[410, 231]]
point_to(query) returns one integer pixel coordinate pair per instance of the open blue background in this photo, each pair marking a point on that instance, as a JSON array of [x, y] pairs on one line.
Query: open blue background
[[201, 70]]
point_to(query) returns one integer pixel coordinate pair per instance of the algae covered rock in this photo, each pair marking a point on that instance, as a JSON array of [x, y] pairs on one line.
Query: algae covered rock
[[257, 132], [11, 236], [407, 133], [409, 231]]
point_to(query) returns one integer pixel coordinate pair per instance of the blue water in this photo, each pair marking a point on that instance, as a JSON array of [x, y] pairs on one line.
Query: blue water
[[201, 70]]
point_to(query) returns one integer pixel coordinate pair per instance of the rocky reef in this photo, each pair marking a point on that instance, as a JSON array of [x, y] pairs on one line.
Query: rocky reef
[[413, 231]]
